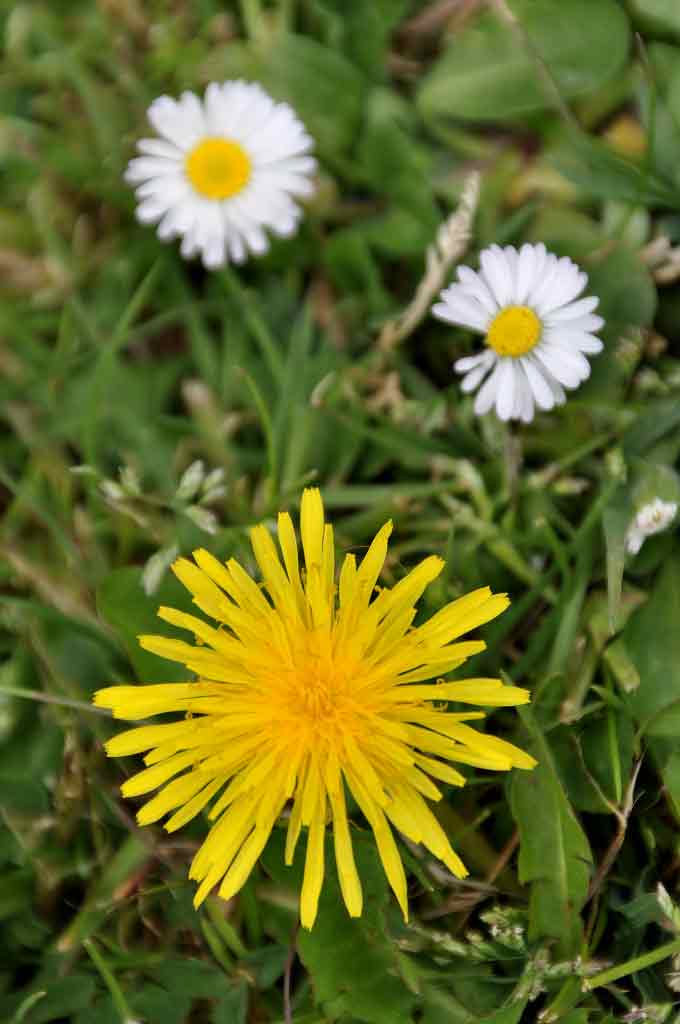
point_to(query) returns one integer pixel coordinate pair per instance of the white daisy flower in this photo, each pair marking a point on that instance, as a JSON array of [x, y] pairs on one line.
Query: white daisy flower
[[652, 518], [537, 330], [224, 169]]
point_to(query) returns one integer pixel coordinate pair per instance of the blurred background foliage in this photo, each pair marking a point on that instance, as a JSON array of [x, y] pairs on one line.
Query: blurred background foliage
[[150, 407]]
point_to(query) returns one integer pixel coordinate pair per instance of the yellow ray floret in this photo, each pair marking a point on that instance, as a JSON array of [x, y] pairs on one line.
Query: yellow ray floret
[[308, 692]]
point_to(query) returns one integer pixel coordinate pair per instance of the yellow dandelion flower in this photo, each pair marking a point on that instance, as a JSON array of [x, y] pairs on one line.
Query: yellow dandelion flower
[[308, 691]]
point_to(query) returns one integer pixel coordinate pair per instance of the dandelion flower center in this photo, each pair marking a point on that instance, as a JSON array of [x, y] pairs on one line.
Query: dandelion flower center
[[218, 168], [514, 331], [318, 701]]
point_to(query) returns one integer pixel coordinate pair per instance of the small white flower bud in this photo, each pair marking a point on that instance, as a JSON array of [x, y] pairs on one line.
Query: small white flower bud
[[651, 518]]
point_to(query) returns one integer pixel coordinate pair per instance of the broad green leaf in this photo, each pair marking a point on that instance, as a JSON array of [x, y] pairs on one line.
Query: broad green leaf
[[362, 31], [396, 164], [600, 172], [154, 1003], [662, 16], [104, 1011], [616, 273], [658, 419], [63, 998], [625, 288], [123, 604], [511, 1014], [659, 113], [673, 97], [555, 857], [353, 962], [191, 976], [438, 1006], [668, 757], [22, 795], [232, 1007], [652, 639], [606, 743], [489, 72]]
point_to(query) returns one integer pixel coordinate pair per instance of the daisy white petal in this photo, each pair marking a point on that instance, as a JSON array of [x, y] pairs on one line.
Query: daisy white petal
[[512, 260], [574, 310], [475, 376], [544, 284], [226, 170], [540, 388], [524, 400], [525, 272], [459, 308], [169, 118], [158, 147], [486, 396], [538, 331], [497, 274], [587, 324], [582, 340], [475, 286], [567, 285], [147, 168], [506, 389], [569, 368], [527, 411], [470, 362]]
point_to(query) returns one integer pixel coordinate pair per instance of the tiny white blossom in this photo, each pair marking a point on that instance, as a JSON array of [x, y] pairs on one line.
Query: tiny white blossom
[[225, 169], [537, 330], [652, 518]]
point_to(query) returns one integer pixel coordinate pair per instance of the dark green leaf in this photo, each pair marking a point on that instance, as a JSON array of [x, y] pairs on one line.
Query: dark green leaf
[[555, 857], [662, 16], [232, 1007], [652, 638], [353, 963], [123, 604], [490, 71], [601, 172], [63, 998], [658, 419]]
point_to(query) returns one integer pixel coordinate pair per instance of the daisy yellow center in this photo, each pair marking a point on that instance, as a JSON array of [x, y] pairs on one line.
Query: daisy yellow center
[[218, 168], [514, 331]]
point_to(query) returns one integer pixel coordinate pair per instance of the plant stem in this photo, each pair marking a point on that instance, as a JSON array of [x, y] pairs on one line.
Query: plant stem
[[638, 963]]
